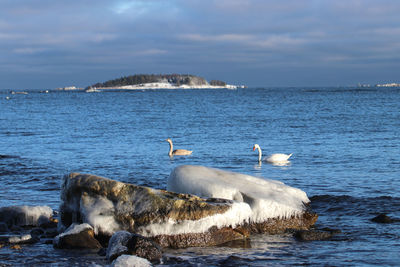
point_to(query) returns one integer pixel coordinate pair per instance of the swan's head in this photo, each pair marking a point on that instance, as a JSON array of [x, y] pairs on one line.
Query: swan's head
[[168, 140], [256, 146]]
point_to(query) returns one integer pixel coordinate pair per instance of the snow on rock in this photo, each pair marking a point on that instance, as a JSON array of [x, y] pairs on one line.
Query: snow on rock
[[98, 211], [77, 236], [130, 261], [265, 198], [25, 215], [22, 239], [111, 206]]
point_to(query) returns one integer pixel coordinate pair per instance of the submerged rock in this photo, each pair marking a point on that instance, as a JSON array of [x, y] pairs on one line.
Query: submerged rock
[[312, 235], [181, 220], [383, 218]]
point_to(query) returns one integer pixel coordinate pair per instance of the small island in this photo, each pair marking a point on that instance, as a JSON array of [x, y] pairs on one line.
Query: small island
[[161, 81]]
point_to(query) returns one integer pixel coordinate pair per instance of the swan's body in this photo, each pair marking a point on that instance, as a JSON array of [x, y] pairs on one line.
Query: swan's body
[[273, 158], [177, 152]]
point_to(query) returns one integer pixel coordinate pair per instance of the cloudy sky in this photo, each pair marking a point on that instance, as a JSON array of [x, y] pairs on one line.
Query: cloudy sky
[[48, 43]]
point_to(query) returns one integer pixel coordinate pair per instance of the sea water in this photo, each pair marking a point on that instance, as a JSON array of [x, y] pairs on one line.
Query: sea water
[[345, 144]]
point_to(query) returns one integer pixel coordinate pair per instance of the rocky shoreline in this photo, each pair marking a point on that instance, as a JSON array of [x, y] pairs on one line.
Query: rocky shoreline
[[119, 218]]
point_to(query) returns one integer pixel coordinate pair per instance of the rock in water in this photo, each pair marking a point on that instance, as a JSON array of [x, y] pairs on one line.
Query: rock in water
[[123, 242], [77, 236], [25, 215], [172, 219], [178, 220], [312, 235], [274, 206], [382, 218]]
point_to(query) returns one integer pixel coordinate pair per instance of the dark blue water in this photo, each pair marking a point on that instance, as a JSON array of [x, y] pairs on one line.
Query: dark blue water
[[345, 144]]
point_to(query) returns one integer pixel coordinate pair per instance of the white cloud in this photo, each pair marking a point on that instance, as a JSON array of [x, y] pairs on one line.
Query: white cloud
[[28, 50], [273, 41], [217, 37], [151, 52]]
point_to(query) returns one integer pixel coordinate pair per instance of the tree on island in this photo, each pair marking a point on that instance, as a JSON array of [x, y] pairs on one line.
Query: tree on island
[[217, 83]]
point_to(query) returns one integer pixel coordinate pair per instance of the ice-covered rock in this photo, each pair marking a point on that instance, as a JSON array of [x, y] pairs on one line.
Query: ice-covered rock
[[172, 219], [230, 211], [23, 239], [130, 261], [77, 236], [25, 215], [18, 239], [270, 202]]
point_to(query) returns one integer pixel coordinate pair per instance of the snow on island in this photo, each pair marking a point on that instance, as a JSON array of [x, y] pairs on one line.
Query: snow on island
[[166, 85]]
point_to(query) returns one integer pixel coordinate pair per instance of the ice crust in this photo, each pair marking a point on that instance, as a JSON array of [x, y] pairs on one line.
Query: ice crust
[[99, 212], [130, 261], [263, 197], [26, 215], [237, 214]]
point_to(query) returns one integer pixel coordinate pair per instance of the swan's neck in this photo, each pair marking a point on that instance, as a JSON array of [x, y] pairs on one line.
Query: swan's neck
[[171, 148], [259, 154]]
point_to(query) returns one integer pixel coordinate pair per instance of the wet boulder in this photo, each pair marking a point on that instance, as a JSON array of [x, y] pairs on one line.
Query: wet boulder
[[123, 242], [77, 236]]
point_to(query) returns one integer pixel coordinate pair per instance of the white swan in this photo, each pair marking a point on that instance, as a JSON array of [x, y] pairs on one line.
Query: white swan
[[273, 158], [177, 152]]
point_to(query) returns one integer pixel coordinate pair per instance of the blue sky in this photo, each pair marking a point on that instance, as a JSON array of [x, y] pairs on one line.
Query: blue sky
[[48, 44]]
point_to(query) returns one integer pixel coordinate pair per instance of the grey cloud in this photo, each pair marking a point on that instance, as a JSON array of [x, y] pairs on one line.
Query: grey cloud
[[234, 38]]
